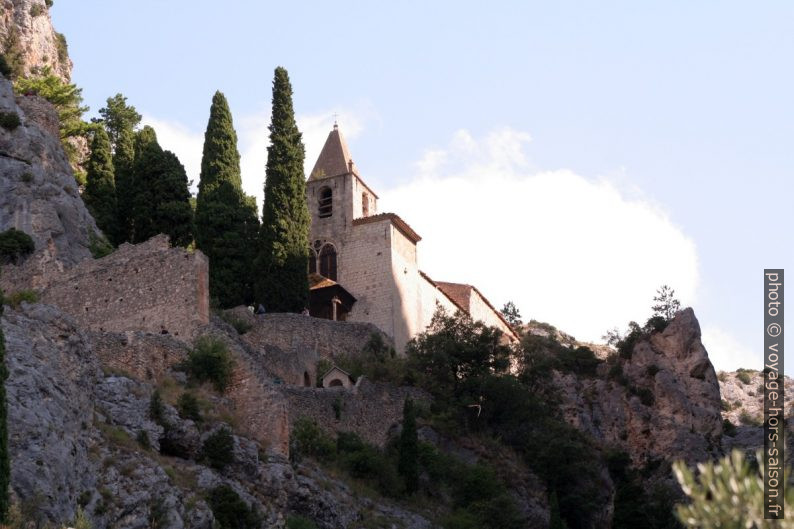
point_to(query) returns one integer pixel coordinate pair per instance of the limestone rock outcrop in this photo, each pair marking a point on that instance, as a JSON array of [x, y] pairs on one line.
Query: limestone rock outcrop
[[26, 32], [38, 193], [667, 406]]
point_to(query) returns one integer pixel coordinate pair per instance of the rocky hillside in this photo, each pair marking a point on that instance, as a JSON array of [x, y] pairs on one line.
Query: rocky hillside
[[38, 192], [29, 41], [84, 437]]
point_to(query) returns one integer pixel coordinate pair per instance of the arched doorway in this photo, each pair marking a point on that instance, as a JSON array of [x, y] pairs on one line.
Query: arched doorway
[[328, 262], [307, 381]]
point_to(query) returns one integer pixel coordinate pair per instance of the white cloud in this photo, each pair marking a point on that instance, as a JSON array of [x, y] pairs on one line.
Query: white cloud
[[566, 249], [726, 352]]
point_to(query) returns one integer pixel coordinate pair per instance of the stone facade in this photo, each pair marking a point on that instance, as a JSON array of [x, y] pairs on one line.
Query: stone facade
[[375, 254], [370, 410], [147, 287], [290, 345]]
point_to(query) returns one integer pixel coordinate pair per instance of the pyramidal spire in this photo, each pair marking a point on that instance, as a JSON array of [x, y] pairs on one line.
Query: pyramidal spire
[[334, 159]]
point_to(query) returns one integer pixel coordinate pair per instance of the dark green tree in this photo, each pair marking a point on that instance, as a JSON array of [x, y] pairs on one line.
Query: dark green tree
[[408, 464], [100, 190], [555, 520], [226, 219], [280, 270], [160, 197], [120, 121], [5, 467]]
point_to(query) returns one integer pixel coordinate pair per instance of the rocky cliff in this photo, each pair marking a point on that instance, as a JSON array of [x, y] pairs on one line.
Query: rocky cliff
[[84, 436], [38, 192], [29, 41], [661, 403]]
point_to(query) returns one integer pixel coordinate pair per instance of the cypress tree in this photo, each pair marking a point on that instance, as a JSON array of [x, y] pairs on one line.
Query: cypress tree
[[408, 464], [120, 121], [5, 466], [226, 220], [281, 278], [123, 161], [100, 190], [160, 198]]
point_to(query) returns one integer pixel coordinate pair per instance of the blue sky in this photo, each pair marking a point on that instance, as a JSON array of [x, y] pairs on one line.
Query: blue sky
[[578, 154]]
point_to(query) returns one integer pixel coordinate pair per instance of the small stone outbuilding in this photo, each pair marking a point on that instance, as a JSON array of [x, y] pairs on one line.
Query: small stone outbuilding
[[337, 378]]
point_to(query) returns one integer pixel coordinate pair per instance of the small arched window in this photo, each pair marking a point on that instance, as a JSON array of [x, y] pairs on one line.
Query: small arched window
[[312, 261], [325, 203], [328, 262], [364, 205]]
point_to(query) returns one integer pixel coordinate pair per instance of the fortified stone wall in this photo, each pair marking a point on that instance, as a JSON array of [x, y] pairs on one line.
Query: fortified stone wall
[[370, 410], [147, 287], [141, 355], [290, 345]]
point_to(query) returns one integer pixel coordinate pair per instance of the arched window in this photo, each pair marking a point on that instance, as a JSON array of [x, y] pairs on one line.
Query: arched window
[[312, 261], [364, 205], [325, 203], [328, 262]]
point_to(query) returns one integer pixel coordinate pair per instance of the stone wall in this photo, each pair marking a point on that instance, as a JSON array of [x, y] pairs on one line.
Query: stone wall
[[146, 287], [141, 355], [290, 345], [370, 410]]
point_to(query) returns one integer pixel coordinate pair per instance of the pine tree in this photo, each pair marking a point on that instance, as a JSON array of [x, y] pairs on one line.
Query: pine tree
[[281, 278], [160, 197], [100, 190], [5, 470], [119, 118], [408, 464], [226, 219]]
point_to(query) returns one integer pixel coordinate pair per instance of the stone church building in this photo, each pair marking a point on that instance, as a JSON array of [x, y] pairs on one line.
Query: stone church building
[[363, 263]]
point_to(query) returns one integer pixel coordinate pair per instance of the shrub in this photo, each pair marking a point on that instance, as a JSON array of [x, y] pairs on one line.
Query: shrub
[[9, 120], [211, 361], [189, 407], [743, 377], [63, 47], [16, 298], [646, 395], [239, 324], [36, 10], [725, 405], [299, 522], [581, 360], [218, 449], [143, 439], [48, 3], [308, 439], [5, 69], [727, 493], [748, 420], [722, 376], [15, 245], [230, 511], [728, 428], [99, 246], [157, 409]]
